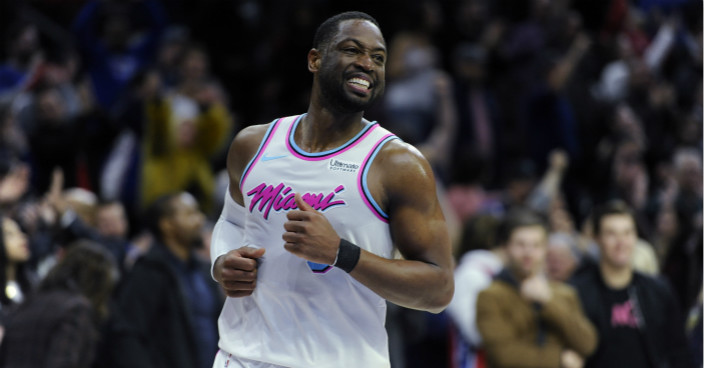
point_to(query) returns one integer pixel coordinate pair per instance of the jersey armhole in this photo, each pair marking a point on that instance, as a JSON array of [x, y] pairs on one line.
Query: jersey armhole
[[364, 191], [262, 147]]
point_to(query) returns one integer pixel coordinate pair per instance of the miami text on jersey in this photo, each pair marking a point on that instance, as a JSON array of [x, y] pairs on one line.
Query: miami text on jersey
[[281, 197]]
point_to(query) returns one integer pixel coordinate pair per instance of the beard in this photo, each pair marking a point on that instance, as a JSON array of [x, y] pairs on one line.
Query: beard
[[197, 242], [334, 95]]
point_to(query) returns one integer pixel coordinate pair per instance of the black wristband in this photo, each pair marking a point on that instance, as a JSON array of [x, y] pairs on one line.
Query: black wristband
[[347, 256]]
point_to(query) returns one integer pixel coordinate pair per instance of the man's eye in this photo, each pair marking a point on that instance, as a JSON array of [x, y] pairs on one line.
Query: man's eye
[[350, 50], [378, 58]]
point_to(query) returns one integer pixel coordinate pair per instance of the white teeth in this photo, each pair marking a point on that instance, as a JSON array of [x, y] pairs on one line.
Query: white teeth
[[360, 81]]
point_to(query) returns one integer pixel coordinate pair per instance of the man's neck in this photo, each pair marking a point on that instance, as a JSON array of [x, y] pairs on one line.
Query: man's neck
[[616, 277], [323, 129], [518, 276], [178, 250]]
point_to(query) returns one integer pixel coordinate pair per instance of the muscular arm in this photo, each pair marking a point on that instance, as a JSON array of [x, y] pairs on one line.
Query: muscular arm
[[242, 150], [234, 265], [402, 180], [423, 279]]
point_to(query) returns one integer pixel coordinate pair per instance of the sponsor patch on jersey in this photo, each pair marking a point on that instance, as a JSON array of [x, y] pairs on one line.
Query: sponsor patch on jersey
[[337, 165]]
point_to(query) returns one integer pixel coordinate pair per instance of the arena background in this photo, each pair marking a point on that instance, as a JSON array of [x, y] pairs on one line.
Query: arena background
[[606, 95]]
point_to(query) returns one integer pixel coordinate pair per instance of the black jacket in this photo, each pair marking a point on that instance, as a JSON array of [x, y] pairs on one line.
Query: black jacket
[[152, 327], [663, 327], [52, 328]]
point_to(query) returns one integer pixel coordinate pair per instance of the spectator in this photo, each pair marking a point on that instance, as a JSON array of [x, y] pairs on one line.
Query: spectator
[[112, 224], [171, 50], [80, 216], [188, 128], [418, 105], [475, 271], [54, 139], [478, 115], [12, 139], [546, 194], [563, 257], [643, 259], [58, 326], [683, 261], [23, 57], [15, 279], [637, 316], [168, 305], [523, 187], [112, 49], [546, 114], [14, 181], [139, 108], [695, 329], [524, 319]]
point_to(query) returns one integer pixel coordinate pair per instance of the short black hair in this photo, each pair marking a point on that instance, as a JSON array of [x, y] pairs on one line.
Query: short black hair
[[161, 208], [330, 26], [612, 207], [517, 218]]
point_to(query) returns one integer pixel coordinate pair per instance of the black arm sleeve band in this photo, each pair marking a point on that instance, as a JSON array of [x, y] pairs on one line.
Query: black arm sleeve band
[[347, 256]]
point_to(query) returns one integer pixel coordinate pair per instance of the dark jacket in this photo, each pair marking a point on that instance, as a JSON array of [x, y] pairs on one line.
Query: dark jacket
[[663, 326], [54, 328], [153, 328]]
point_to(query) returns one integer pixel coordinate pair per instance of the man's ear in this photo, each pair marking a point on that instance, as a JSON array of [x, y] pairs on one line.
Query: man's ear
[[314, 57]]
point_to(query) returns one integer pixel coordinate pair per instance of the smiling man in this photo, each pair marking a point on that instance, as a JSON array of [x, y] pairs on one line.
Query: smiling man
[[317, 205], [524, 319], [637, 316]]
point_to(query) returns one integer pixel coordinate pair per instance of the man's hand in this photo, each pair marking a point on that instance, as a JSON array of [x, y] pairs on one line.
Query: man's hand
[[559, 160], [537, 289], [55, 197], [570, 359], [309, 235], [236, 271]]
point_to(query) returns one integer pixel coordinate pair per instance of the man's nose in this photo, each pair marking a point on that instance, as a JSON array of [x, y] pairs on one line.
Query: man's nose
[[365, 62]]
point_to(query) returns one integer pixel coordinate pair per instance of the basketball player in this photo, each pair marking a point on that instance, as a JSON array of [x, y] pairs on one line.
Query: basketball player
[[317, 204]]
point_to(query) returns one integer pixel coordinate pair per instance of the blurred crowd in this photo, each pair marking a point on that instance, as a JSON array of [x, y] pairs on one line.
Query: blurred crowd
[[108, 107]]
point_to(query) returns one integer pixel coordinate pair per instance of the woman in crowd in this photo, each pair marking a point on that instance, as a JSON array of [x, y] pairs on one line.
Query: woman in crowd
[[58, 326], [15, 279]]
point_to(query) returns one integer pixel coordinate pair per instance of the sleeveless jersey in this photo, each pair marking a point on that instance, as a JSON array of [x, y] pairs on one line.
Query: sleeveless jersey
[[303, 314]]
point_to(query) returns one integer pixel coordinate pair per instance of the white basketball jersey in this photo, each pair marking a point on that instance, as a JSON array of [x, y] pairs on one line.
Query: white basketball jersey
[[303, 314]]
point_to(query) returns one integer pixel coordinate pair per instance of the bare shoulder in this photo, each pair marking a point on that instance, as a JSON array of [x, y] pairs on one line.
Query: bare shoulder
[[244, 146], [403, 172]]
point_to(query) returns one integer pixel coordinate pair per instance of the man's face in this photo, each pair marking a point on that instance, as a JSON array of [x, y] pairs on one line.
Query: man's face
[[187, 220], [526, 249], [352, 69], [560, 262], [617, 239], [111, 220]]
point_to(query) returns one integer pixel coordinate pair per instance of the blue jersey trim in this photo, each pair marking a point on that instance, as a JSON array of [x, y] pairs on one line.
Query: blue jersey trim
[[259, 151], [365, 171], [298, 150]]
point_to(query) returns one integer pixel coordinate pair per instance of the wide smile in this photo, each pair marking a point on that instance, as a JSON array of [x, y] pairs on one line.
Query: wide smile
[[360, 84]]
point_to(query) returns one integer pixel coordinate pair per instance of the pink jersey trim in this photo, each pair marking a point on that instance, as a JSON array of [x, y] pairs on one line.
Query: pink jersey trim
[[359, 178], [261, 150]]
